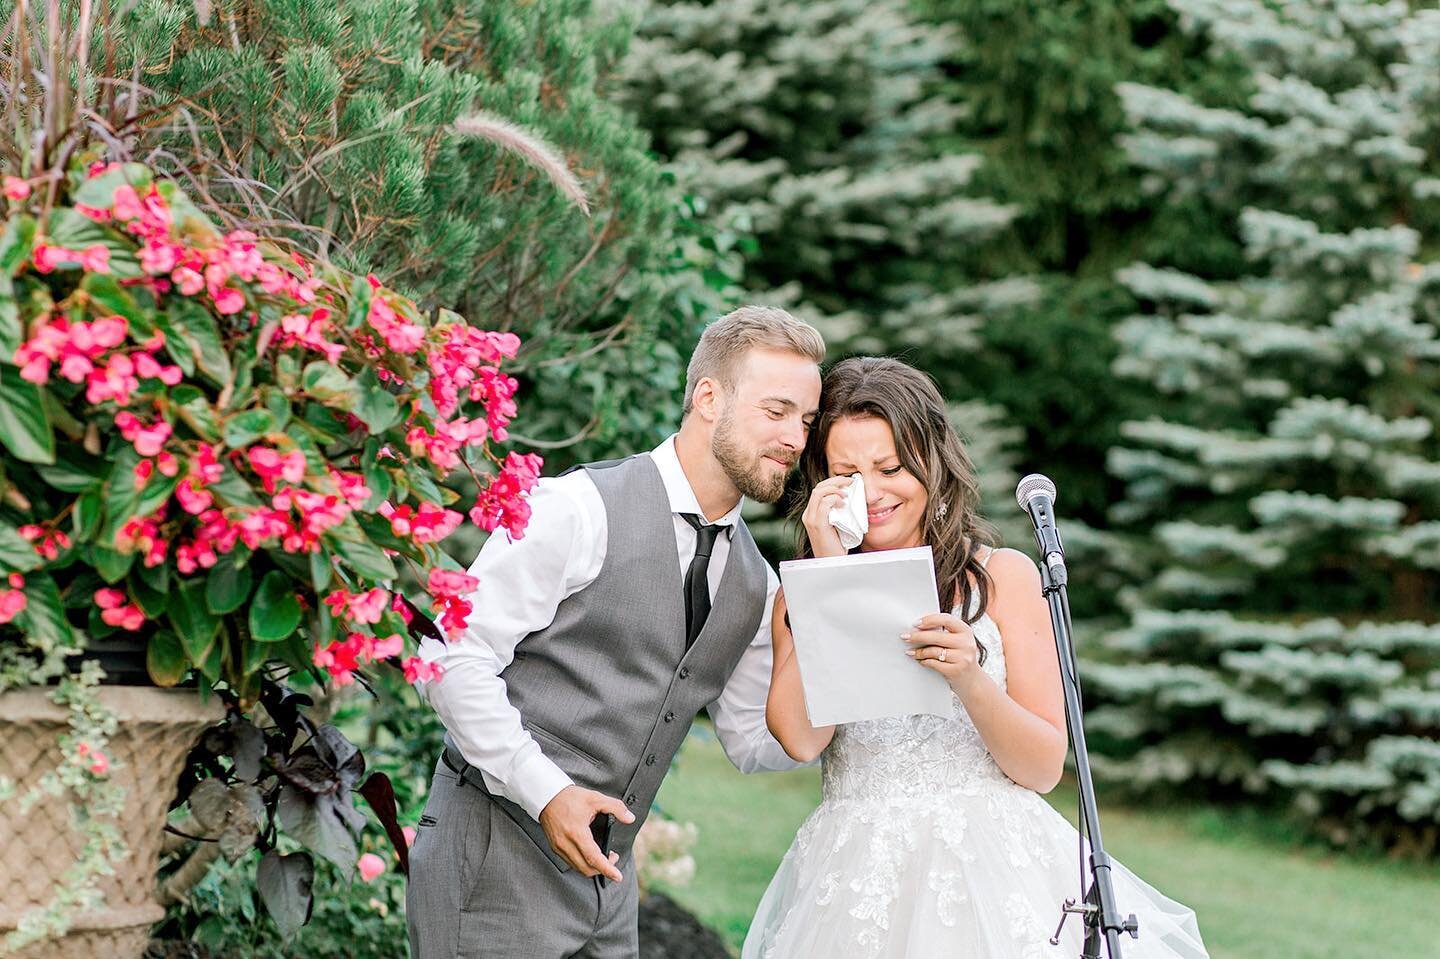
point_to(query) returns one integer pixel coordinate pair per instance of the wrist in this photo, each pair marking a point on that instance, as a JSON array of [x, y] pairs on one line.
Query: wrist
[[970, 683]]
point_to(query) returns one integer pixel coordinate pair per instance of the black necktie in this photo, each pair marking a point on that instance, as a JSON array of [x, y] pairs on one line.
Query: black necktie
[[697, 577]]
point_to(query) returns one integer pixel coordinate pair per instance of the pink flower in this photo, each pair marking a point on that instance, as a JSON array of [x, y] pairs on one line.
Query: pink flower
[[187, 281], [96, 213], [399, 335], [47, 544], [228, 300], [448, 589], [409, 833], [16, 188], [391, 645], [95, 258], [370, 866], [126, 203], [109, 598], [12, 601], [502, 502], [341, 659], [417, 670], [158, 257], [115, 611], [46, 258], [270, 466], [93, 759]]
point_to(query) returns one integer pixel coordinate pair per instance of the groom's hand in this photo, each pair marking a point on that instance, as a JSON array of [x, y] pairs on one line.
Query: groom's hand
[[566, 821]]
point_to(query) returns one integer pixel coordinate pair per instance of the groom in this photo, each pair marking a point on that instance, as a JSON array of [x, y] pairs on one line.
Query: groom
[[636, 598]]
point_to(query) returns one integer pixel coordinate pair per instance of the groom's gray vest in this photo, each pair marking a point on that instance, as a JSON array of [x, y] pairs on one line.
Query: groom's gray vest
[[608, 690]]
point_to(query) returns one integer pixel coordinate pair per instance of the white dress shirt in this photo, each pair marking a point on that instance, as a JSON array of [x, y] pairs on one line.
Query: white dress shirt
[[522, 584]]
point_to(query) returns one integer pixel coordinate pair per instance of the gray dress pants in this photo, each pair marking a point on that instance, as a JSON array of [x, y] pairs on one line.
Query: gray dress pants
[[480, 889]]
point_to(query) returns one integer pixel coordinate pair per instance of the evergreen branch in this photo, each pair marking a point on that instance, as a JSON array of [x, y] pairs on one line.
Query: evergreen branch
[[539, 154]]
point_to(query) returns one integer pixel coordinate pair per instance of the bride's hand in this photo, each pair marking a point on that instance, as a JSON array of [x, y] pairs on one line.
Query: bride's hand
[[827, 495], [945, 643]]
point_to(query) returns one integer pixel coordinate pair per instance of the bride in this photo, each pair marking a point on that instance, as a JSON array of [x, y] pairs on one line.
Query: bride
[[931, 839]]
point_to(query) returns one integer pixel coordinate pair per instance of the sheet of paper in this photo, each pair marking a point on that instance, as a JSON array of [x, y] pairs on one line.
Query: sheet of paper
[[847, 614]]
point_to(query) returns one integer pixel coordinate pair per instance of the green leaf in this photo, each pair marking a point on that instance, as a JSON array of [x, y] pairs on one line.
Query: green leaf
[[11, 334], [156, 577], [165, 659], [100, 191], [111, 566], [17, 555], [363, 558], [200, 334], [279, 406], [329, 385], [374, 404], [275, 610], [287, 371], [73, 473], [75, 231], [106, 293], [233, 490], [152, 602], [197, 413], [196, 626], [176, 344], [321, 571], [43, 618], [242, 429], [157, 490], [122, 497], [228, 585], [285, 884], [16, 243], [24, 428], [85, 521], [359, 307]]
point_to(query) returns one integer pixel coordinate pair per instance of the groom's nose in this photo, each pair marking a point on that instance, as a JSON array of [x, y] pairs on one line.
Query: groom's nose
[[792, 436]]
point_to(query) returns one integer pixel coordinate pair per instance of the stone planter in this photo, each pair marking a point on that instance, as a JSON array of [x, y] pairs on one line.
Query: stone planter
[[156, 729]]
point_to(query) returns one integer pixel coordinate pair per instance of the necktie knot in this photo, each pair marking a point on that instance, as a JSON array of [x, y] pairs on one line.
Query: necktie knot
[[706, 533]]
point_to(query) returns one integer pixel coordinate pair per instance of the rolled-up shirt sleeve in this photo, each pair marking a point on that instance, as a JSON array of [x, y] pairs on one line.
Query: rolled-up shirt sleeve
[[739, 712], [521, 585]]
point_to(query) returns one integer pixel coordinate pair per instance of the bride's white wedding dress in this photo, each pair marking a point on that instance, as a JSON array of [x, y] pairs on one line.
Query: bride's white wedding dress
[[922, 848]]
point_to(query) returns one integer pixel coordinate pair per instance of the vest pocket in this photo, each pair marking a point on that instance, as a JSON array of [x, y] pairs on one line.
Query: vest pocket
[[549, 738]]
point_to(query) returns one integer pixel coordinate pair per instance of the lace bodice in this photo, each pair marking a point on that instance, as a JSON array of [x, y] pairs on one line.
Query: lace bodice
[[915, 757]]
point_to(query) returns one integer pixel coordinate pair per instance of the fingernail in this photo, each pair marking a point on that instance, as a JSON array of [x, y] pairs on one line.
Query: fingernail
[[904, 635], [909, 652]]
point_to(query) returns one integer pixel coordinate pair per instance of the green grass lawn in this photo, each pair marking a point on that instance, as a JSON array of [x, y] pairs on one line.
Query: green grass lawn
[[1257, 897]]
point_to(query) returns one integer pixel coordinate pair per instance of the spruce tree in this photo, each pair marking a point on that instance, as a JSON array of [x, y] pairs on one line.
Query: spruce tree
[[816, 127], [1285, 490]]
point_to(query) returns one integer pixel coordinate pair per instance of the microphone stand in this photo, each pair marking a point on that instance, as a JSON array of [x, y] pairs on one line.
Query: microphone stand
[[1101, 914]]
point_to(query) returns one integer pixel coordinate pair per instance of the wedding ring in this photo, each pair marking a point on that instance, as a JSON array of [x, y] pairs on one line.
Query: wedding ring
[[942, 655]]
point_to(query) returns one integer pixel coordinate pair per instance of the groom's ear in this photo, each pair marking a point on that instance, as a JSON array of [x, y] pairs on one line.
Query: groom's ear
[[708, 400]]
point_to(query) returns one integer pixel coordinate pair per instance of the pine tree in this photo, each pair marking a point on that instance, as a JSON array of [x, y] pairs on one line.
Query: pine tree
[[815, 126], [442, 145], [1286, 485]]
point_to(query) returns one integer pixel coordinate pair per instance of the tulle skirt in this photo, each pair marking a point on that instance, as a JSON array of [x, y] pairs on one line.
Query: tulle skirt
[[979, 875]]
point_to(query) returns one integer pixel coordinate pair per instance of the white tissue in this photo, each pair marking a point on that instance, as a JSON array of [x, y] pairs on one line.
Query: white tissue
[[850, 519]]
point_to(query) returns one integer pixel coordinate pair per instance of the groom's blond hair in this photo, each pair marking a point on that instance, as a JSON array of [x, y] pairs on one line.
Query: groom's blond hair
[[725, 342]]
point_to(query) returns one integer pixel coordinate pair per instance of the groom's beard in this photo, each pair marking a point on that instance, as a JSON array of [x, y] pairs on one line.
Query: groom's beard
[[748, 471]]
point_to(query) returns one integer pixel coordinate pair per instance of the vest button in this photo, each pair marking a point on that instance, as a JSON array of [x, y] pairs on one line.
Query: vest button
[[684, 672], [630, 800], [650, 760], [670, 716]]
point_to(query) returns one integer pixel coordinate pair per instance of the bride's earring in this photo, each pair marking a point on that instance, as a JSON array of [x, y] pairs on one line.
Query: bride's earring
[[941, 510]]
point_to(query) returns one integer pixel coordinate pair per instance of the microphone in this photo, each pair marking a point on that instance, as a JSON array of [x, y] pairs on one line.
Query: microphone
[[1036, 496]]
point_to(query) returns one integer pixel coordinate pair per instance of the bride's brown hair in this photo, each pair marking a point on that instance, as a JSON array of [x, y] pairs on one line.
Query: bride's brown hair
[[929, 449]]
